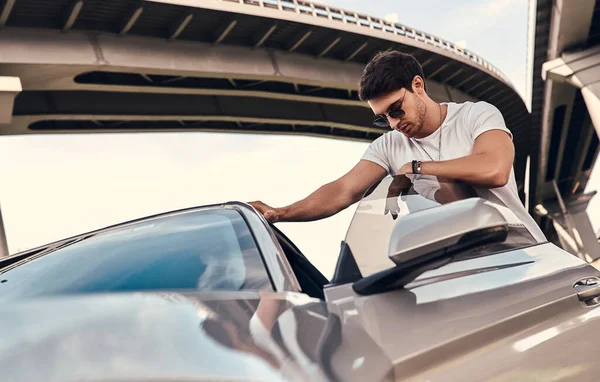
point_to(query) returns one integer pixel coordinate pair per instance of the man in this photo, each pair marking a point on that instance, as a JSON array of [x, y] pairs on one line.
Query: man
[[465, 142]]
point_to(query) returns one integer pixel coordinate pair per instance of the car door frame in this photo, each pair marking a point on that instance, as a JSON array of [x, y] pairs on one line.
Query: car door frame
[[278, 267]]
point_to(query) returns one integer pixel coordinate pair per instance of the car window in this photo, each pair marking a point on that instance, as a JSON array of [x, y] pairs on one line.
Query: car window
[[203, 250]]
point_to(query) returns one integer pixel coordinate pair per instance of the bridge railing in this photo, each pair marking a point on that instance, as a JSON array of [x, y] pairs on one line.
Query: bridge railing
[[349, 17]]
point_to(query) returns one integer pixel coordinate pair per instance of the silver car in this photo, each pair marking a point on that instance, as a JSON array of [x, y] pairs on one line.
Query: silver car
[[422, 291]]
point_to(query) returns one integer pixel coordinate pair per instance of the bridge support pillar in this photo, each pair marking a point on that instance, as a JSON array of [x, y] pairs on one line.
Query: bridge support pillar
[[573, 226], [9, 88], [582, 70]]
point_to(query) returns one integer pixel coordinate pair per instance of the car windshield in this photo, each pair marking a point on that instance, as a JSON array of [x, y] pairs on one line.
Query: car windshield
[[387, 202], [203, 250]]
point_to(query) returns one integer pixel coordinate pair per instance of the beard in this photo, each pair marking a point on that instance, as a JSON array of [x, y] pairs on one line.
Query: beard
[[416, 125], [420, 119]]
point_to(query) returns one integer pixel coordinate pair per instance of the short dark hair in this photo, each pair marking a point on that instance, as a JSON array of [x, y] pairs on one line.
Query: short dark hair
[[387, 72]]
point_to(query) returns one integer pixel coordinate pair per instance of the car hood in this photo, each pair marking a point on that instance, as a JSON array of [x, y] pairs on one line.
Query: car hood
[[187, 336]]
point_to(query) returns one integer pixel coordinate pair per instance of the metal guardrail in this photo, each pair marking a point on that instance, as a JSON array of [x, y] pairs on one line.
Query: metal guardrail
[[349, 17]]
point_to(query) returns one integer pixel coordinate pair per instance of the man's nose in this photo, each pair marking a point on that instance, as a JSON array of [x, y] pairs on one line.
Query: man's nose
[[393, 121]]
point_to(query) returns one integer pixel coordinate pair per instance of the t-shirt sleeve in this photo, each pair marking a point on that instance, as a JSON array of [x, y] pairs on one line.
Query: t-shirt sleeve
[[485, 117], [376, 153]]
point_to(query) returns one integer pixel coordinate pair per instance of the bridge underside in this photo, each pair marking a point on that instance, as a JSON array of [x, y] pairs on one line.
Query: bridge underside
[[76, 83], [272, 66], [252, 66]]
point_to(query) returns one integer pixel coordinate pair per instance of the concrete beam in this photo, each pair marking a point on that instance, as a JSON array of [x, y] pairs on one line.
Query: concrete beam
[[487, 91], [180, 26], [53, 60], [3, 241], [556, 94], [591, 96], [451, 77], [438, 70], [427, 62], [570, 25], [329, 47], [239, 7], [468, 79], [357, 51], [21, 122], [262, 37], [574, 227], [580, 69], [9, 88], [5, 12], [130, 21], [300, 41], [224, 31], [73, 13], [335, 114], [480, 84]]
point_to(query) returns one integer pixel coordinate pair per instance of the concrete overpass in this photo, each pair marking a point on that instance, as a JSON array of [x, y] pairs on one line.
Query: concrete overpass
[[565, 119], [255, 66]]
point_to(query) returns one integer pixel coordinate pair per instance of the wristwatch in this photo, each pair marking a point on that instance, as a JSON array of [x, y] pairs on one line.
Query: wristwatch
[[416, 166]]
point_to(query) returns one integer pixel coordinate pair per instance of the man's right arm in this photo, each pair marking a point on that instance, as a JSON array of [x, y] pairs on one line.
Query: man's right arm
[[328, 199]]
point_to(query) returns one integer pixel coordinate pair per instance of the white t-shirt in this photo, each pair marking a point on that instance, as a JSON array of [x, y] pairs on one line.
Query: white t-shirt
[[463, 124]]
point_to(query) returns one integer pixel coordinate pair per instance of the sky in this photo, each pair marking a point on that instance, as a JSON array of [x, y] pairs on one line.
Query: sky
[[54, 186]]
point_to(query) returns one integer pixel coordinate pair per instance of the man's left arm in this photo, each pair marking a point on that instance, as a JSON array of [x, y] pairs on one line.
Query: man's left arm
[[489, 165]]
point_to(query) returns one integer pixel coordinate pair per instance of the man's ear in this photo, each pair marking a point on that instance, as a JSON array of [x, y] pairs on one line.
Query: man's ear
[[418, 85]]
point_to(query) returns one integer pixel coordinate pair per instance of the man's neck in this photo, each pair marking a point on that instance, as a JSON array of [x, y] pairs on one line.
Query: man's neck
[[432, 118]]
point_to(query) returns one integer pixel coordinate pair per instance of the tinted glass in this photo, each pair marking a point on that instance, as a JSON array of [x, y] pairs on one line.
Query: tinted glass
[[389, 201], [202, 250]]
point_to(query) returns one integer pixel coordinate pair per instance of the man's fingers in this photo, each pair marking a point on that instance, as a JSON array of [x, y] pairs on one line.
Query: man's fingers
[[257, 205], [271, 216], [268, 212]]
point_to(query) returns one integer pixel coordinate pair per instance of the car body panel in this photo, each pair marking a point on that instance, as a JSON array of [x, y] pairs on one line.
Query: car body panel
[[555, 343], [447, 317], [192, 336]]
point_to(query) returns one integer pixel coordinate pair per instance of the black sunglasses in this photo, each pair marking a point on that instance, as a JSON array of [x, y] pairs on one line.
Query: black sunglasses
[[381, 120]]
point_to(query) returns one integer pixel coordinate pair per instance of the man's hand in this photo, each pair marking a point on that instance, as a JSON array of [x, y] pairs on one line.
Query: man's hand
[[271, 214], [391, 206], [399, 185]]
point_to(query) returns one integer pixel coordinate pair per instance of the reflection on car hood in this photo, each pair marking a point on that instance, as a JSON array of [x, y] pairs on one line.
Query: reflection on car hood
[[164, 336]]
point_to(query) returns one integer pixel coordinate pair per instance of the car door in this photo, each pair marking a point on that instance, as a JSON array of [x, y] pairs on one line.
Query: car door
[[520, 311]]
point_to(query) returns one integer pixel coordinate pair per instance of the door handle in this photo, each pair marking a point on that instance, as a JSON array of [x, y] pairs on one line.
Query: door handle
[[587, 288]]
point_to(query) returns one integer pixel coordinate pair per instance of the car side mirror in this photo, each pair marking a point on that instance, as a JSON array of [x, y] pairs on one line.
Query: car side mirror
[[418, 236], [429, 239]]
